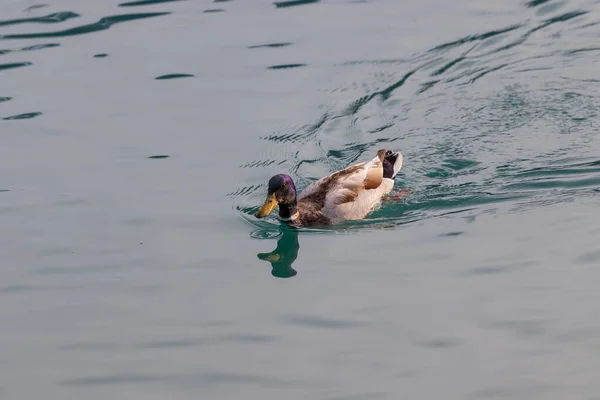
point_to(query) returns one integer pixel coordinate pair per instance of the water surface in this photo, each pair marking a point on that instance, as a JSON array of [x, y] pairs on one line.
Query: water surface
[[137, 140]]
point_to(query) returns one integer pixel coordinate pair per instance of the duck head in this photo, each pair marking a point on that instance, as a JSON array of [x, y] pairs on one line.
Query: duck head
[[282, 193]]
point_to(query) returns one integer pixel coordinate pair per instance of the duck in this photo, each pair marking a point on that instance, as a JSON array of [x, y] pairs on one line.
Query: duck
[[345, 195]]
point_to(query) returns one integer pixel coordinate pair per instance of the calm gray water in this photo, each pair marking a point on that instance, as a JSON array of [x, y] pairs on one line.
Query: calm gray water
[[136, 140]]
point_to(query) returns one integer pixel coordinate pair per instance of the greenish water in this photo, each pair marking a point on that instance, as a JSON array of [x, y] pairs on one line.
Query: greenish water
[[136, 143]]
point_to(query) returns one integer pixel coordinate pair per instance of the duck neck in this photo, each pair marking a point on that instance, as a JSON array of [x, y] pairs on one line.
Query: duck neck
[[288, 211]]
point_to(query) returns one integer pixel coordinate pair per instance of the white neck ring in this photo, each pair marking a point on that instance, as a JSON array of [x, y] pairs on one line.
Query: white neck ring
[[292, 218]]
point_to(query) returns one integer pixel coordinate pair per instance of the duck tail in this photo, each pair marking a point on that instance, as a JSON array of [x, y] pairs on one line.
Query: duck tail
[[392, 163]]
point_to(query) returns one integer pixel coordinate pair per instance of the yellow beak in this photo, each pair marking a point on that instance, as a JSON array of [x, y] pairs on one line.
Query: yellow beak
[[268, 206]]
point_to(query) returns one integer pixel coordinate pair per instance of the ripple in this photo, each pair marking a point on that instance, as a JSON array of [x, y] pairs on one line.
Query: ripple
[[322, 323], [521, 327], [592, 257], [17, 289], [101, 55], [246, 190], [69, 202], [270, 45], [23, 116], [246, 338], [286, 66], [382, 128], [307, 132], [102, 24], [30, 48], [385, 93], [87, 346], [203, 341], [485, 72], [478, 71], [561, 18], [506, 267], [440, 343], [160, 156], [206, 379], [35, 7], [3, 99], [459, 164], [475, 38], [48, 19], [266, 234], [516, 390], [213, 10], [360, 395], [582, 50], [289, 137], [451, 234], [549, 8], [14, 65], [258, 163], [146, 3], [592, 167], [40, 46], [293, 3], [556, 184], [114, 379], [552, 177], [535, 3], [170, 344], [452, 63], [173, 76], [426, 86]]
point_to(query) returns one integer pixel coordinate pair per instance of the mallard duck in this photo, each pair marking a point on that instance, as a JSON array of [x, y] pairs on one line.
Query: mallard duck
[[348, 194]]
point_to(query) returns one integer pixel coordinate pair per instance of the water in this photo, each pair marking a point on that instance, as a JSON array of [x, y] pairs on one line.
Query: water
[[137, 140]]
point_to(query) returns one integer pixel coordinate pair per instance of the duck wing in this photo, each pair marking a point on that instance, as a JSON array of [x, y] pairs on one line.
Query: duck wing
[[344, 186]]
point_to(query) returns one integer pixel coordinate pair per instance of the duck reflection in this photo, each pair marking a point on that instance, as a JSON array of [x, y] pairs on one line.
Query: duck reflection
[[284, 255]]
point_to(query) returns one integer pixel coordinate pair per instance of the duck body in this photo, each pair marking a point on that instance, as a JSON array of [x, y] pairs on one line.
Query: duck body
[[348, 194]]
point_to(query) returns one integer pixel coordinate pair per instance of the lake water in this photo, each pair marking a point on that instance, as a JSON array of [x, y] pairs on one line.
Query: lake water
[[136, 141]]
